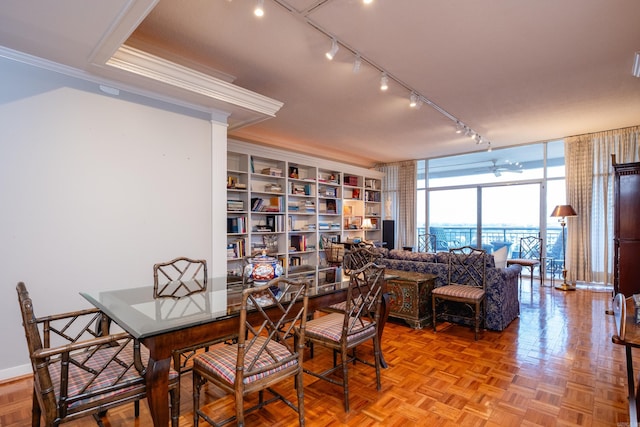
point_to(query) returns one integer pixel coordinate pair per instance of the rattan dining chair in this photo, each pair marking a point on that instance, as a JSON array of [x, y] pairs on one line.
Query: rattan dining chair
[[466, 286], [343, 332], [80, 369], [269, 349], [180, 278]]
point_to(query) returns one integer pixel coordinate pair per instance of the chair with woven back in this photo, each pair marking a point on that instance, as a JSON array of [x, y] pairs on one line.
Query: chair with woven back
[[179, 278], [269, 349], [466, 286], [427, 242], [80, 369], [344, 331], [355, 259], [529, 256]]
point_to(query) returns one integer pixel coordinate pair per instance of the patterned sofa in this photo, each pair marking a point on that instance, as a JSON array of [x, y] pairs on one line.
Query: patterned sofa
[[501, 283]]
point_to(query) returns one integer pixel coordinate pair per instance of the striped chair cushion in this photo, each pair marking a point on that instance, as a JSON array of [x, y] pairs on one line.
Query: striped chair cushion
[[330, 327], [460, 291], [121, 374], [222, 361], [524, 261]]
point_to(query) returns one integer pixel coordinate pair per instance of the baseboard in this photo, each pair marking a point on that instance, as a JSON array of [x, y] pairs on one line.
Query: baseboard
[[12, 374]]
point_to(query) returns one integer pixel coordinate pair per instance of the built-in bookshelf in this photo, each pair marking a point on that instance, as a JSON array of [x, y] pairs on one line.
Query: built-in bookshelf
[[286, 205]]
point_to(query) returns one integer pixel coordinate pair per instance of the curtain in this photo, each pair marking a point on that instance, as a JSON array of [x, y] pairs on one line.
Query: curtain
[[589, 181], [399, 189]]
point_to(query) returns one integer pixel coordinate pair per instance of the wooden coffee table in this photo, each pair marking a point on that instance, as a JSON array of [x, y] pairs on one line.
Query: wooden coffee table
[[410, 296]]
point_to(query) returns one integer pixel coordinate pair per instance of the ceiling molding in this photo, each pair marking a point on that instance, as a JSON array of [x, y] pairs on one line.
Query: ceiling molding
[[150, 66]]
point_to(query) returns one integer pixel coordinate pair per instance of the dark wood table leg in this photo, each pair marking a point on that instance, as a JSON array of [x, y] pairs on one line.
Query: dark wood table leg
[[157, 379]]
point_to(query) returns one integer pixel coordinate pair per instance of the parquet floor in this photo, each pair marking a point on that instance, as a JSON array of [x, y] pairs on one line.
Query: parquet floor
[[554, 366]]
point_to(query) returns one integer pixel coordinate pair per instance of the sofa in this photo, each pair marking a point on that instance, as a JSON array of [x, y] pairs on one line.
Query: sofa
[[502, 303]]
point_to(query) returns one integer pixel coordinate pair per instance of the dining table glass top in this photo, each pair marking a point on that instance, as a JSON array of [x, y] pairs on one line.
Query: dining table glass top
[[139, 313]]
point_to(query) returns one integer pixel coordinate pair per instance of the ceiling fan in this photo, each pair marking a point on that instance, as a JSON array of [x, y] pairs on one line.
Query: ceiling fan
[[507, 166]]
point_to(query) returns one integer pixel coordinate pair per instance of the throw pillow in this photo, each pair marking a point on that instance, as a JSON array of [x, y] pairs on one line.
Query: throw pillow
[[500, 257]]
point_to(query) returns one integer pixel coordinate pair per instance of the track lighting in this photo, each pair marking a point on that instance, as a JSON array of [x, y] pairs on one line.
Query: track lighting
[[384, 82], [413, 100], [459, 127], [259, 10], [357, 63], [489, 147], [334, 49]]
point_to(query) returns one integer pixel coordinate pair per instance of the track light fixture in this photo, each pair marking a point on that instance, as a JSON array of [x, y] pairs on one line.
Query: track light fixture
[[334, 49], [413, 100], [259, 10], [357, 63], [384, 82]]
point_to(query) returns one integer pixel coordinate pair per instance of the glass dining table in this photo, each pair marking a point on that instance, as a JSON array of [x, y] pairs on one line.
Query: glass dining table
[[166, 324]]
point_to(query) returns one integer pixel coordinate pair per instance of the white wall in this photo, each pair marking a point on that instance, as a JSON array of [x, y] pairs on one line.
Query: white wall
[[94, 190]]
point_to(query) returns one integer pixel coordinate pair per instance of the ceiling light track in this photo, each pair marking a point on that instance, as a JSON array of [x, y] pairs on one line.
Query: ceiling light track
[[416, 99]]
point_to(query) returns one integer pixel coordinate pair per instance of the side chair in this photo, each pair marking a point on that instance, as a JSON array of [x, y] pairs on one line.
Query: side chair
[[79, 369], [530, 256], [466, 286], [269, 349], [179, 278], [344, 331]]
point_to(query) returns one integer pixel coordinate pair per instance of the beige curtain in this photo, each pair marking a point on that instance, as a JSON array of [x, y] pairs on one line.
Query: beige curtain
[[590, 191], [399, 189]]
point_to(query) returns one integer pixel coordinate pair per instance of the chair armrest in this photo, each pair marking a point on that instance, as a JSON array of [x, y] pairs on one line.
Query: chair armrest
[[69, 315], [44, 353]]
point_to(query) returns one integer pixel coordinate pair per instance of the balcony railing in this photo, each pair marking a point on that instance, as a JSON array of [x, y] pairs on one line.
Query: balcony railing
[[495, 237]]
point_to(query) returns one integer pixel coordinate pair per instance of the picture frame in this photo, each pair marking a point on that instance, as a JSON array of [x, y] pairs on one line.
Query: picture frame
[[293, 172], [355, 221]]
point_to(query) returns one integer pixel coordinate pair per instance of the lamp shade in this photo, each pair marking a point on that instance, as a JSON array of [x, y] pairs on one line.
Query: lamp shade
[[563, 211], [366, 223]]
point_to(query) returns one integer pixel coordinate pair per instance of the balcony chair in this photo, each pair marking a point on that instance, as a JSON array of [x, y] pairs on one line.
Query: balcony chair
[[264, 353], [530, 256], [466, 285], [427, 242], [80, 369], [344, 331]]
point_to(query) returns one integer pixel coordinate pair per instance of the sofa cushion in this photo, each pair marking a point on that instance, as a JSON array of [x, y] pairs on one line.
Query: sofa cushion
[[500, 257]]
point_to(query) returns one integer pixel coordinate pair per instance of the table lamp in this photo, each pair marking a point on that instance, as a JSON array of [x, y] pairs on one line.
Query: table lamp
[[562, 212], [366, 224]]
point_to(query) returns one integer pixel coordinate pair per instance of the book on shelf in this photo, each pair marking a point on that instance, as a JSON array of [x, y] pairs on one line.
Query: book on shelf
[[237, 248], [237, 225], [299, 243], [235, 205], [273, 204]]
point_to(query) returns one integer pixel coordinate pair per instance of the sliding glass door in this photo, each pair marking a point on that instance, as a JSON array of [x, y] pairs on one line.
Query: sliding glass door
[[509, 212]]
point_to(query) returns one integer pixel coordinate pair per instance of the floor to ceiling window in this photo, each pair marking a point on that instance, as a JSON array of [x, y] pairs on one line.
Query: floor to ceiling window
[[492, 199]]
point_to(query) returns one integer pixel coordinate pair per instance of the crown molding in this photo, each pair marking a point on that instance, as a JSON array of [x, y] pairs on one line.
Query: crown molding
[[153, 67]]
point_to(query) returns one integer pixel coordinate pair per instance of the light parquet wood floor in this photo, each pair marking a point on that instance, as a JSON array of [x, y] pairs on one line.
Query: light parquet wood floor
[[554, 366]]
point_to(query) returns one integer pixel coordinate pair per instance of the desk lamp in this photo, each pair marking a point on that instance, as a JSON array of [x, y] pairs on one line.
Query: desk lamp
[[562, 212]]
